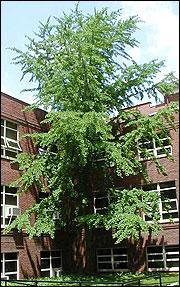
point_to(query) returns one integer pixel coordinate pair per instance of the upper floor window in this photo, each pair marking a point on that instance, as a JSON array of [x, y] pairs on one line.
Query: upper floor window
[[112, 259], [9, 200], [9, 265], [168, 205], [51, 263], [9, 139], [155, 148], [101, 202]]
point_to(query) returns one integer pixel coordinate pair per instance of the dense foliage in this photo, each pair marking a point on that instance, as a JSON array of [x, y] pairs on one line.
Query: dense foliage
[[84, 76]]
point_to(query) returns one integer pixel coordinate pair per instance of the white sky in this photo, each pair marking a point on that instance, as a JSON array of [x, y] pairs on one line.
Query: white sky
[[158, 34]]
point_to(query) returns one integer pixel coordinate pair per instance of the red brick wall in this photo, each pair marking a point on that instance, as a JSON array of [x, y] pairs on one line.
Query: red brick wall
[[78, 251]]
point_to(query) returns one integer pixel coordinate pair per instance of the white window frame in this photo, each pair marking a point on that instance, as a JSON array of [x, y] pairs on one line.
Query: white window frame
[[155, 149], [160, 190], [95, 197], [5, 207], [164, 258], [3, 261], [51, 269], [112, 260], [7, 146]]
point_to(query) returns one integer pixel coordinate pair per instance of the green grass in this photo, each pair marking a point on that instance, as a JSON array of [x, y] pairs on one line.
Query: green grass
[[167, 278]]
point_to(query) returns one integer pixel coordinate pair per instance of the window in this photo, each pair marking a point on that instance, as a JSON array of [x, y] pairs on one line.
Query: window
[[112, 259], [9, 199], [9, 139], [51, 263], [168, 205], [9, 265], [164, 258], [101, 202], [154, 148]]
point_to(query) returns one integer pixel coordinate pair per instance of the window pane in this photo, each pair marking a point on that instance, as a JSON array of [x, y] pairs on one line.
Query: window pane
[[2, 131], [56, 262], [120, 251], [10, 256], [2, 142], [170, 215], [11, 190], [11, 200], [56, 253], [12, 144], [104, 259], [171, 194], [158, 264], [167, 184], [105, 266], [122, 257], [45, 254], [172, 263], [11, 266], [104, 251], [156, 257], [174, 248], [120, 265], [45, 273], [11, 125], [169, 205], [101, 202], [10, 153], [2, 122], [12, 276], [45, 263], [154, 249], [11, 134], [150, 187], [1, 198]]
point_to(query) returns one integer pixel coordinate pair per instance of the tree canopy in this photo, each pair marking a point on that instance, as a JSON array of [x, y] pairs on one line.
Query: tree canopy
[[83, 77]]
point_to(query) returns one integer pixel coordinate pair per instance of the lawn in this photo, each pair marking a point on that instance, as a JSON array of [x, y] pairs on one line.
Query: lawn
[[108, 279]]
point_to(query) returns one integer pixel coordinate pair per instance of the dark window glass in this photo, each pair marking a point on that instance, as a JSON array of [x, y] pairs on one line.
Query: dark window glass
[[120, 251], [45, 263], [11, 125], [10, 256], [56, 262], [11, 266], [11, 200], [56, 253], [104, 251], [170, 215], [172, 264], [10, 153], [158, 264], [104, 259], [105, 266], [11, 134], [167, 184], [45, 254], [120, 265], [154, 249], [12, 276]]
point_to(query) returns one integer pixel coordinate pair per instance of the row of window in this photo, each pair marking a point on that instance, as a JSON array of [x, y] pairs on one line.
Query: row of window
[[165, 190], [167, 195], [10, 145], [159, 258]]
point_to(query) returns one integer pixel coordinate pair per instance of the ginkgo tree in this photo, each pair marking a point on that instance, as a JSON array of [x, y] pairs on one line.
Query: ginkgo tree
[[84, 78]]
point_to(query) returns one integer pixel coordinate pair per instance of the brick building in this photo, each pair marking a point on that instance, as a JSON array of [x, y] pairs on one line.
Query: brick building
[[87, 251]]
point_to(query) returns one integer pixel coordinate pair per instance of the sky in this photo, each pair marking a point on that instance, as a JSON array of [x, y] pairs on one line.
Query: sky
[[158, 34]]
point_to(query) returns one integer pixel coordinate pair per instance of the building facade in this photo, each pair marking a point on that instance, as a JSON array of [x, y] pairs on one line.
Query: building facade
[[86, 251]]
